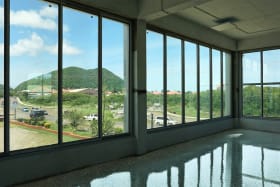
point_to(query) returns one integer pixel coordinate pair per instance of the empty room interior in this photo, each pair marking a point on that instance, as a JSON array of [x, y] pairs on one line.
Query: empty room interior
[[140, 93]]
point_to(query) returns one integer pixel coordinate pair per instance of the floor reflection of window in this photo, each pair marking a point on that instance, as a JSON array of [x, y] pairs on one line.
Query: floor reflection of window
[[191, 173], [205, 170], [116, 179], [251, 163], [271, 163], [260, 166], [217, 167], [174, 177], [157, 179]]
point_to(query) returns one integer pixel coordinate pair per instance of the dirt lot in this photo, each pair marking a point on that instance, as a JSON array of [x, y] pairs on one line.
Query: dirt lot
[[22, 138]]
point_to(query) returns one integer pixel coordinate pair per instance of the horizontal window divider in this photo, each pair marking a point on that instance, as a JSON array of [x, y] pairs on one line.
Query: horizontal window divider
[[271, 83], [248, 84]]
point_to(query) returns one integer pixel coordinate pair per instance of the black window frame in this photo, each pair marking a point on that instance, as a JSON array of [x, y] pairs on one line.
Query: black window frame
[[100, 14], [184, 39], [261, 84]]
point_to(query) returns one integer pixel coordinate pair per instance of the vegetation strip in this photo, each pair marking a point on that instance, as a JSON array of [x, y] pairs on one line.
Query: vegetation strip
[[48, 130]]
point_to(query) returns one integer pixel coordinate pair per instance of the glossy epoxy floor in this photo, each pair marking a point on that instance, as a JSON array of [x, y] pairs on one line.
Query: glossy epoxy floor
[[232, 158]]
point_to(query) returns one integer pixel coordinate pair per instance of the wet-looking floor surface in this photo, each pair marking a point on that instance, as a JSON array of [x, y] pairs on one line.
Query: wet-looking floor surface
[[231, 158]]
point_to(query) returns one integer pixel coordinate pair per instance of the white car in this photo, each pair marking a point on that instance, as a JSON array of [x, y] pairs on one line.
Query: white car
[[91, 117], [159, 121]]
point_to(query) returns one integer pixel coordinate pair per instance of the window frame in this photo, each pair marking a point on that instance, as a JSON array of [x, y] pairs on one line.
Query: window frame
[[100, 14], [184, 39], [261, 83]]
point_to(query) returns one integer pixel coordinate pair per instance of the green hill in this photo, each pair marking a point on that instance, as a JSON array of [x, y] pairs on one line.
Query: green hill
[[75, 78]]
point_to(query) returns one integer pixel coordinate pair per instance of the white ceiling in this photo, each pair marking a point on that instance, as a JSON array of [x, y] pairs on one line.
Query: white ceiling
[[253, 17]]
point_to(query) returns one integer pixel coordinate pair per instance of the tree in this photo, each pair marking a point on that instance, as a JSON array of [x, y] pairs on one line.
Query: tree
[[74, 117]]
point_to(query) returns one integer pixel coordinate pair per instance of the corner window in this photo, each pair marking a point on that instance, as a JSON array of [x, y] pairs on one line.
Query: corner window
[[186, 82], [154, 79], [174, 81], [216, 83], [204, 77], [190, 82], [115, 58], [261, 84]]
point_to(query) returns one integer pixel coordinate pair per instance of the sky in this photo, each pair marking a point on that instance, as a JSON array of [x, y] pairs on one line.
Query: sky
[[34, 40], [155, 65], [252, 67]]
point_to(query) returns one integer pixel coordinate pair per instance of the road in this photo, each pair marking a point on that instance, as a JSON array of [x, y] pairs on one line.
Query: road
[[16, 110]]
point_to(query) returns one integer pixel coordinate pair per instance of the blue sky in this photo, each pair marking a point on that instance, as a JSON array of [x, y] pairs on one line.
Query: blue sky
[[34, 40], [252, 67], [34, 48], [155, 64]]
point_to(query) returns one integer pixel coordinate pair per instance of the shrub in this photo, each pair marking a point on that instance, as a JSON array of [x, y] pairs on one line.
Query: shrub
[[20, 119], [47, 125]]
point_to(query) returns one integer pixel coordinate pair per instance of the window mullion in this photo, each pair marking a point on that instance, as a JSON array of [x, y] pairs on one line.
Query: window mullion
[[261, 53], [198, 81], [183, 80], [211, 82], [222, 83], [100, 91], [60, 73], [6, 76], [164, 81]]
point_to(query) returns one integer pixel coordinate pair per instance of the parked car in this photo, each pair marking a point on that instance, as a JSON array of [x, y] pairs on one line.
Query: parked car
[[25, 109], [36, 113], [45, 112], [91, 117], [160, 121]]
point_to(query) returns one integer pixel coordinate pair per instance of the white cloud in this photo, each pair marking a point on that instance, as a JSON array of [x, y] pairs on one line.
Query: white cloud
[[1, 16], [34, 19], [49, 12], [68, 49], [30, 46]]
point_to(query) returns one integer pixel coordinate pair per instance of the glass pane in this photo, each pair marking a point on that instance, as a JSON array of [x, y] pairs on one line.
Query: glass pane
[[115, 50], [204, 83], [1, 75], [80, 75], [251, 65], [271, 66], [190, 82], [271, 159], [252, 100], [227, 83], [271, 101], [174, 94], [216, 79], [154, 79], [33, 74]]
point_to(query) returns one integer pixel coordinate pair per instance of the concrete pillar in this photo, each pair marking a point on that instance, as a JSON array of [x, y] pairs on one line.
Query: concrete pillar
[[139, 86]]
